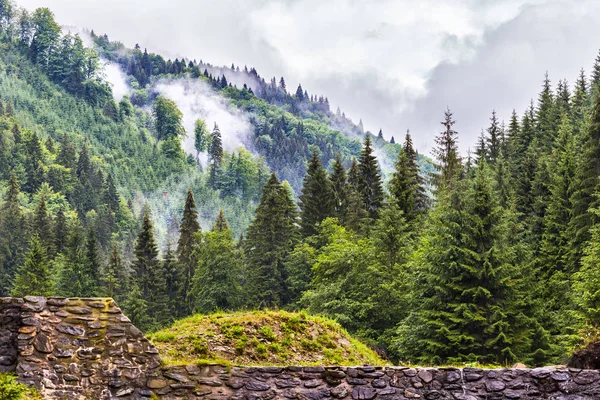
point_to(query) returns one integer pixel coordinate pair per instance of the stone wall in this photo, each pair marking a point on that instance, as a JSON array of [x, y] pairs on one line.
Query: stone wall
[[87, 349]]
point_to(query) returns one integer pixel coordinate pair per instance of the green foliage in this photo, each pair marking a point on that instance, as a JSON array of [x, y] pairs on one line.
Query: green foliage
[[10, 389], [317, 199]]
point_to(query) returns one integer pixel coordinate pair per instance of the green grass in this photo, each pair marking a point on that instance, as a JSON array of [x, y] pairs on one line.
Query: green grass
[[261, 338]]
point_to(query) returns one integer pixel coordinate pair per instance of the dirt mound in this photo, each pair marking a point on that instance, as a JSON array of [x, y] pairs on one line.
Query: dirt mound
[[261, 338]]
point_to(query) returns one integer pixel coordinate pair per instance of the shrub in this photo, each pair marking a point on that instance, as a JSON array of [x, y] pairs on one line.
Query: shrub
[[10, 389]]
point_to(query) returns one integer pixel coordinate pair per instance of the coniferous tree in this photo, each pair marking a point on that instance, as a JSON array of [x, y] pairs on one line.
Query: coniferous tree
[[270, 238], [339, 186], [215, 154], [553, 267], [217, 280], [468, 304], [579, 106], [60, 232], [447, 158], [221, 223], [91, 266], [13, 237], [149, 275], [33, 277], [546, 118], [585, 187], [34, 165], [407, 186], [316, 200], [42, 226], [188, 241], [369, 180], [115, 278], [493, 139], [172, 279]]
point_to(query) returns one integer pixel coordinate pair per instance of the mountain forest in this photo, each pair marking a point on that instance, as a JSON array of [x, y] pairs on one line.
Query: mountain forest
[[491, 258]]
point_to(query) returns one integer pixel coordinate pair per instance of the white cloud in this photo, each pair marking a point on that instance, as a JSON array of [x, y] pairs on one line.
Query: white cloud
[[396, 64]]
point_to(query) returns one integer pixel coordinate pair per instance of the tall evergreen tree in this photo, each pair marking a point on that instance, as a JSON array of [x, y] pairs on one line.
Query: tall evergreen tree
[[60, 231], [407, 186], [115, 278], [445, 152], [215, 154], [33, 277], [188, 241], [270, 238], [42, 226], [586, 185], [149, 275], [339, 186], [369, 181], [13, 235], [494, 139], [317, 198], [217, 283], [468, 303]]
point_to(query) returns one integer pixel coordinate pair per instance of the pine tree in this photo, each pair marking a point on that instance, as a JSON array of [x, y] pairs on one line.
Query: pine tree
[[468, 303], [546, 118], [115, 278], [552, 264], [188, 241], [407, 186], [215, 154], [149, 275], [316, 200], [71, 278], [369, 181], [580, 104], [447, 158], [339, 186], [34, 165], [42, 226], [585, 187], [221, 223], [494, 143], [91, 266], [217, 280], [270, 238], [60, 231], [33, 277], [13, 238], [172, 279]]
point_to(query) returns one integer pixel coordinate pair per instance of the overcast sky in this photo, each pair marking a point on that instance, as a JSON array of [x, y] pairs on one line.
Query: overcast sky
[[397, 64]]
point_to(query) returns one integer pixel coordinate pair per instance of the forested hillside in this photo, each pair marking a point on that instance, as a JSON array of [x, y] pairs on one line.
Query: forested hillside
[[489, 258]]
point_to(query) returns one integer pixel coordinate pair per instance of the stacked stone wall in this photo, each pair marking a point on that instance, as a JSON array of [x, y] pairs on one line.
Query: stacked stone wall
[[77, 349]]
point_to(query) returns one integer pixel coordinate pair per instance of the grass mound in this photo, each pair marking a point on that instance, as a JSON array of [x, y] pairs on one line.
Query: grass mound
[[261, 338]]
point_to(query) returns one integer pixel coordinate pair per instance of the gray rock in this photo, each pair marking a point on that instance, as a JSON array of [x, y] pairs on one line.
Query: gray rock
[[363, 393]]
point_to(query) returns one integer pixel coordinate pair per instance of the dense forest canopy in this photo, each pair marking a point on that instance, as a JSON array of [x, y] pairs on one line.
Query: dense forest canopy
[[489, 258]]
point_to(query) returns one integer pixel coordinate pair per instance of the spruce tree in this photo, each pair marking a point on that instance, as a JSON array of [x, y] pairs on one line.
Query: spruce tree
[[172, 279], [217, 283], [149, 275], [369, 181], [468, 303], [494, 143], [13, 235], [215, 154], [33, 278], [552, 265], [271, 236], [115, 278], [407, 186], [60, 231], [580, 105], [586, 186], [42, 226], [339, 186], [188, 241], [91, 266], [546, 118], [317, 197], [221, 223], [34, 166], [445, 152]]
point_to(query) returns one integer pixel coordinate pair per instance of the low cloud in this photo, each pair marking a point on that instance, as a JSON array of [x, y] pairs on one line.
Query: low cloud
[[197, 100]]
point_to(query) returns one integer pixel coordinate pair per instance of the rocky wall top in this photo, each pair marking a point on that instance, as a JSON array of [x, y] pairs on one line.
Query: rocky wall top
[[87, 349]]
